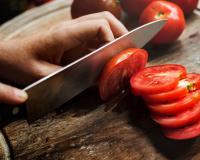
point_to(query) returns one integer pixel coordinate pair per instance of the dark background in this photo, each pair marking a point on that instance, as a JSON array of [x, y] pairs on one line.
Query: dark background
[[11, 8]]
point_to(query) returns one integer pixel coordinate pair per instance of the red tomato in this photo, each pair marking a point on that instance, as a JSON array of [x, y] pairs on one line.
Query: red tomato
[[187, 132], [164, 10], [83, 7], [177, 93], [134, 7], [157, 79], [119, 69], [190, 83], [182, 119], [187, 5], [178, 106]]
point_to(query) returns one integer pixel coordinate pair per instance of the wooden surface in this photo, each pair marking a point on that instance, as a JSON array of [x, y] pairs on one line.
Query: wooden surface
[[86, 129]]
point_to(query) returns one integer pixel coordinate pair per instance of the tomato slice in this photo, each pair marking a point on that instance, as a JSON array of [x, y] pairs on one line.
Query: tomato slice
[[190, 83], [182, 119], [177, 106], [177, 93], [186, 132], [157, 79], [117, 72]]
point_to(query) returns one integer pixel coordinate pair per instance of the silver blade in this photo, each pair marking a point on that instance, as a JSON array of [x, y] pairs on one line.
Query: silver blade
[[54, 90]]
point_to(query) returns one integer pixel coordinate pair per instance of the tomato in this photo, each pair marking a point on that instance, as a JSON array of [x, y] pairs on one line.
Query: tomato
[[157, 79], [190, 83], [177, 93], [187, 5], [177, 106], [134, 7], [164, 10], [181, 119], [119, 69], [187, 132], [83, 7]]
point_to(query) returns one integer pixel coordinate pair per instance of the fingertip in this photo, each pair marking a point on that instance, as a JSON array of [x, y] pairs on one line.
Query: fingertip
[[21, 96]]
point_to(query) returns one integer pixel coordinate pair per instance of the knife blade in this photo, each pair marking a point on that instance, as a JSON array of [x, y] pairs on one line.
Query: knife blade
[[57, 88]]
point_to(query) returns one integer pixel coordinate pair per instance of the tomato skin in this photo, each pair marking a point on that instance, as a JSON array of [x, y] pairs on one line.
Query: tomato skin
[[173, 108], [157, 79], [164, 10], [187, 132], [164, 97], [187, 5], [84, 7], [119, 69], [134, 7], [188, 84], [182, 119], [176, 107]]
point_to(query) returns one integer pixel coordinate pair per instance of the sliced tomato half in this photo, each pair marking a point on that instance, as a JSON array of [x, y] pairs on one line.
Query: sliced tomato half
[[178, 106], [187, 132], [188, 84], [157, 79], [182, 119], [118, 71]]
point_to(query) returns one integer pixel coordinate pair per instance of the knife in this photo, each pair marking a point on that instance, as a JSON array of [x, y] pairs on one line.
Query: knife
[[59, 87]]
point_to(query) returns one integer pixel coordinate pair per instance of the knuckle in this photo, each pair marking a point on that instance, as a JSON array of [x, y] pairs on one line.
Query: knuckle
[[103, 22], [107, 14], [37, 71]]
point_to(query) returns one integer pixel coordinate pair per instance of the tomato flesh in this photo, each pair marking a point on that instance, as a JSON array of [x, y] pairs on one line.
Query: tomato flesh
[[176, 107], [164, 97], [188, 84], [193, 81], [187, 132], [119, 69], [157, 79], [182, 119]]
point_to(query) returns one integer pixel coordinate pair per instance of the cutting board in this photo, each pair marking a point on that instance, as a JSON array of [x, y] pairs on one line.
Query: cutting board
[[88, 129]]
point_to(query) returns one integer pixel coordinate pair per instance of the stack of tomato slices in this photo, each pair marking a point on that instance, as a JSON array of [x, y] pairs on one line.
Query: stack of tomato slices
[[172, 96]]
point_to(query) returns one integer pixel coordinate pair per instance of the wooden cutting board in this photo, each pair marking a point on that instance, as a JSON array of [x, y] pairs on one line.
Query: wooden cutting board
[[87, 129]]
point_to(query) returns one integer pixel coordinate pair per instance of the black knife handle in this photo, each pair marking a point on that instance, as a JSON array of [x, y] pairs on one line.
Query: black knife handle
[[9, 113]]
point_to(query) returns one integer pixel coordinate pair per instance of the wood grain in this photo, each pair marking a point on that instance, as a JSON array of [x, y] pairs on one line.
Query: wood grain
[[87, 129]]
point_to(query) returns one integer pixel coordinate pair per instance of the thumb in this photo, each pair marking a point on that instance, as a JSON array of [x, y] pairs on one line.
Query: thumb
[[12, 95]]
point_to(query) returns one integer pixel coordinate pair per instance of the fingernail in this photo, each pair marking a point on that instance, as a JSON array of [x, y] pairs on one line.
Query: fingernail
[[21, 95]]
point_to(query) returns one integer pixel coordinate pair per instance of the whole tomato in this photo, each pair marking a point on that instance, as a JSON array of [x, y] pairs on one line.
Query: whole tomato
[[187, 5], [134, 7], [83, 7], [164, 10]]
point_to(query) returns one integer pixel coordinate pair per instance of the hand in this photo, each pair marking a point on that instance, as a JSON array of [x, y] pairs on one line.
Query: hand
[[26, 60]]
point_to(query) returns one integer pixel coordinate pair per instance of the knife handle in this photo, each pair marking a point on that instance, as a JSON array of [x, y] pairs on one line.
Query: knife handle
[[9, 114]]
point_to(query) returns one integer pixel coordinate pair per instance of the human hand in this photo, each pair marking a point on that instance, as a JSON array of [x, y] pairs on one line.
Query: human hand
[[26, 60]]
